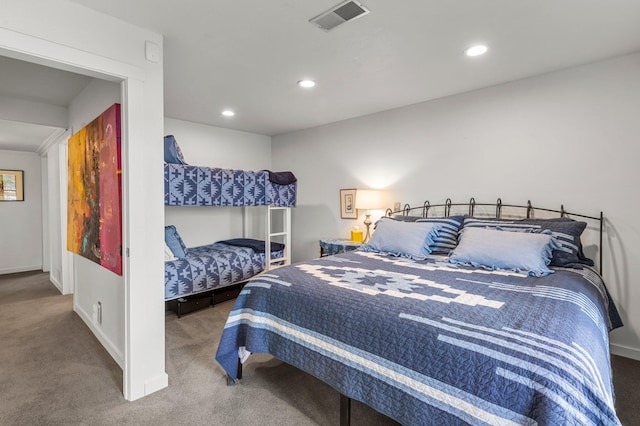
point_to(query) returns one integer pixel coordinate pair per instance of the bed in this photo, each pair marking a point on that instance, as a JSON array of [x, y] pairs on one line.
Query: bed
[[431, 338], [195, 275], [214, 266]]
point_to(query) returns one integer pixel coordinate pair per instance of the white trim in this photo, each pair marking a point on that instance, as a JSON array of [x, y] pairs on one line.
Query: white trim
[[44, 52], [21, 269], [156, 383], [104, 340], [625, 351], [53, 138], [66, 257], [55, 282]]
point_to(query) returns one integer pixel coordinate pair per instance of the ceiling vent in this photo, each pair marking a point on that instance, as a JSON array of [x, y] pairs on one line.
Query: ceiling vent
[[344, 12]]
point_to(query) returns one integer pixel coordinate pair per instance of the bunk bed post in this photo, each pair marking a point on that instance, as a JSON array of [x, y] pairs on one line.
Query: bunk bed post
[[285, 234], [267, 241]]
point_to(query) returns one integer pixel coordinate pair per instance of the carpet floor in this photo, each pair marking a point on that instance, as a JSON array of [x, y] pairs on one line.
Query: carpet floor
[[53, 371]]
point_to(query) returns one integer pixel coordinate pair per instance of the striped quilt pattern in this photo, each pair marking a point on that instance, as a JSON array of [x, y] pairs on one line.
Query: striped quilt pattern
[[428, 342]]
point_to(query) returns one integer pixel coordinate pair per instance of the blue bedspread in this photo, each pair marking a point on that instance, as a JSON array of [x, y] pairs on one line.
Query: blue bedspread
[[427, 342], [186, 185], [212, 266]]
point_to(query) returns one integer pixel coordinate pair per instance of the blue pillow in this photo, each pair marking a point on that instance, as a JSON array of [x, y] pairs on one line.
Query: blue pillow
[[404, 239], [175, 243], [172, 152], [567, 232], [503, 250]]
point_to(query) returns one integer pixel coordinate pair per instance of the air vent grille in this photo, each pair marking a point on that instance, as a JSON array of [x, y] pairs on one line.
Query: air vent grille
[[343, 12]]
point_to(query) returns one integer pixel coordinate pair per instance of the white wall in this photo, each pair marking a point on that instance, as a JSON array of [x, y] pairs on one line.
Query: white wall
[[214, 147], [21, 221], [568, 137], [94, 283], [69, 36]]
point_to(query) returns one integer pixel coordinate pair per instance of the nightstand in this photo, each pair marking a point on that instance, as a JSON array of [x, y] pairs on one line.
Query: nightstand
[[329, 246]]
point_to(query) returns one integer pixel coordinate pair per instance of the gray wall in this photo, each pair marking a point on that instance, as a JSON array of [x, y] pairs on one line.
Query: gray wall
[[568, 137], [21, 221]]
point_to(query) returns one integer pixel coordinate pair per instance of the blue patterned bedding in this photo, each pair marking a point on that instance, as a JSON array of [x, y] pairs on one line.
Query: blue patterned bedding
[[212, 266], [428, 342], [186, 185]]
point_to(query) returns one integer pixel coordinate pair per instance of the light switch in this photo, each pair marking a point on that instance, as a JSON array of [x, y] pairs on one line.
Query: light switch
[[151, 51]]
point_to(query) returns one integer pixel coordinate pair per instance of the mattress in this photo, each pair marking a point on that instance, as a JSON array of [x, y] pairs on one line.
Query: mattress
[[186, 185], [211, 266]]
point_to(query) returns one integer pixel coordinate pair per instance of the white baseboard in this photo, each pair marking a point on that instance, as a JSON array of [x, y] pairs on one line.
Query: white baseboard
[[20, 269], [55, 282], [625, 351], [102, 338], [156, 383]]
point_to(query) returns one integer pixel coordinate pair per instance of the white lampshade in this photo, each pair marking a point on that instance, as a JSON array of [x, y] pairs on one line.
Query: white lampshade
[[368, 199]]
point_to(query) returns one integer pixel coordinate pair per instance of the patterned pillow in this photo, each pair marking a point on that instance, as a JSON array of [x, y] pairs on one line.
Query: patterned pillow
[[567, 231], [175, 243], [447, 238]]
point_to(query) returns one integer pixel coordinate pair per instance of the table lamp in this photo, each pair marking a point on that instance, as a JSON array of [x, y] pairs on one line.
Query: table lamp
[[368, 199]]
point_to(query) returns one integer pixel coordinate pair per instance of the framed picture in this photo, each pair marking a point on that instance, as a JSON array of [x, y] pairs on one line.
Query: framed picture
[[348, 204], [11, 185]]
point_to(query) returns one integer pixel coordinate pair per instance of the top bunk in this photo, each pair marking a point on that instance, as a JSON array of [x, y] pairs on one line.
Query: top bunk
[[187, 185]]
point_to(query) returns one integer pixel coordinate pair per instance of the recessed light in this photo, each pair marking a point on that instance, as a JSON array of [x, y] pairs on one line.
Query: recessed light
[[477, 50], [228, 113], [307, 84]]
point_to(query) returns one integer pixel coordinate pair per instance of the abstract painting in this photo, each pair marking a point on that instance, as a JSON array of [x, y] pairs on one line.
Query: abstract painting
[[94, 213]]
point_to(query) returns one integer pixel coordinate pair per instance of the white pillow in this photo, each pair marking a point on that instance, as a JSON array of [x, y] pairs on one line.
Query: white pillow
[[168, 254], [496, 249]]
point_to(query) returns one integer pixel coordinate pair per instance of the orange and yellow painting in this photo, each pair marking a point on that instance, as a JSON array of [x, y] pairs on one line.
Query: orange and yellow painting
[[94, 218]]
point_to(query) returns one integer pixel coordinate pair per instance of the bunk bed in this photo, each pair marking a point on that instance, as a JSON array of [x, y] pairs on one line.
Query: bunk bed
[[435, 333], [212, 273]]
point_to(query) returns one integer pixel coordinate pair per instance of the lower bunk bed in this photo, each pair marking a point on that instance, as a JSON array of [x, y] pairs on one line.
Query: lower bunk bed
[[213, 273]]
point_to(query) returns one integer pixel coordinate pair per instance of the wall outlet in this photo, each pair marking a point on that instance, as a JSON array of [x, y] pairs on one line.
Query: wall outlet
[[396, 206]]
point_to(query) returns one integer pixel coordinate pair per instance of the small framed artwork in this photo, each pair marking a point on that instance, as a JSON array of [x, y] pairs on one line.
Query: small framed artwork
[[11, 185], [348, 204]]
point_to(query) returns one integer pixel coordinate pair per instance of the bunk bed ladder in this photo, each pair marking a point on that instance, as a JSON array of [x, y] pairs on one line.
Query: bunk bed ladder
[[283, 235]]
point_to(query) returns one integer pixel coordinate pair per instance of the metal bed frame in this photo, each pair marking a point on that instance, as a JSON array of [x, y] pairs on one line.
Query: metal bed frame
[[529, 208], [345, 401]]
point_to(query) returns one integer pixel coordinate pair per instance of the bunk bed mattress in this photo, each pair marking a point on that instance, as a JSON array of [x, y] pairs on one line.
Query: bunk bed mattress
[[212, 266], [428, 342], [186, 185]]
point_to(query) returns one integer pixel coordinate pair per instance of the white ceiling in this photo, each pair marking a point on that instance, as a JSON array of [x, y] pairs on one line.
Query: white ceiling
[[248, 55], [39, 88]]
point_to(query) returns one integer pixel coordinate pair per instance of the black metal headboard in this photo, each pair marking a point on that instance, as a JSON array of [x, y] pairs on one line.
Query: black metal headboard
[[472, 204]]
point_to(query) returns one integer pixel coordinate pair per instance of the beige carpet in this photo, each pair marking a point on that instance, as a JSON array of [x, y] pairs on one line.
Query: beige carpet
[[54, 372]]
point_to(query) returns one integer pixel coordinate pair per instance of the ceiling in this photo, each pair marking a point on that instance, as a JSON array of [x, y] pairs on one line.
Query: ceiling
[[248, 55], [39, 88]]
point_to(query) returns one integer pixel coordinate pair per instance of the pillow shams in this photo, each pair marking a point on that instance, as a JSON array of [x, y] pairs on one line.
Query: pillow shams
[[175, 243], [515, 251], [566, 230], [447, 238], [404, 239]]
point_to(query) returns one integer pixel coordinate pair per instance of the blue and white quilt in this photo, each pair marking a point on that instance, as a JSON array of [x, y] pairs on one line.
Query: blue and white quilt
[[212, 266], [428, 342], [186, 185]]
